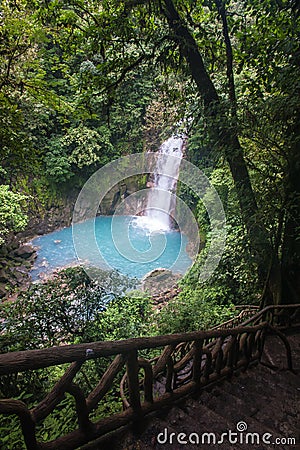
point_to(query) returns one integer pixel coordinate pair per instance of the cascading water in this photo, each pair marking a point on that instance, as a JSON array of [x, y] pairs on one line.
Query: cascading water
[[161, 203]]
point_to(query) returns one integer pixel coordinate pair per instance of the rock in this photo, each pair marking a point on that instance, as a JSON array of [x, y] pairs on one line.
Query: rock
[[25, 251], [157, 274], [3, 291], [3, 250], [44, 263], [4, 277], [20, 274], [159, 281], [13, 257], [22, 269], [14, 245], [28, 262], [41, 231], [32, 258]]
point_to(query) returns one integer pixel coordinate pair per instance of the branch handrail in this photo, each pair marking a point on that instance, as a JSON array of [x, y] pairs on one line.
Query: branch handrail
[[188, 362], [19, 361], [236, 320], [266, 309]]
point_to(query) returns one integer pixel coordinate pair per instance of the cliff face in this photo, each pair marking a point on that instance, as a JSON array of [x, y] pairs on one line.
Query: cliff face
[[59, 214], [119, 200]]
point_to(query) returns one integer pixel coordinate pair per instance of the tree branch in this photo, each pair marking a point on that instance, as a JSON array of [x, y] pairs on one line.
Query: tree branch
[[190, 52]]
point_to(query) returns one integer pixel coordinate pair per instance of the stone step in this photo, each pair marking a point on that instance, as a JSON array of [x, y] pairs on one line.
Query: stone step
[[222, 395], [207, 420], [264, 383], [273, 410], [238, 411], [196, 417], [265, 400], [160, 434], [279, 357], [179, 430]]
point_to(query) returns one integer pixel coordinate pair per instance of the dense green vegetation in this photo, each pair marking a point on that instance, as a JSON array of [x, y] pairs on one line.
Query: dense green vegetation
[[80, 86], [84, 83], [50, 314]]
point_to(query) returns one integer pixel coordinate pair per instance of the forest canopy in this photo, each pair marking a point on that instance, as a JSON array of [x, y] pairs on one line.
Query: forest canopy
[[84, 83]]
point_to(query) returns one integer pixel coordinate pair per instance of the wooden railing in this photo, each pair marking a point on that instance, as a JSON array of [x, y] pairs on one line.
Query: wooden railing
[[186, 363], [247, 311]]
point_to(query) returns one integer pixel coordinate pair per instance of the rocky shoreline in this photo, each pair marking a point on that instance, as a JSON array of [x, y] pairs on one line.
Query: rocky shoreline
[[15, 263], [17, 260]]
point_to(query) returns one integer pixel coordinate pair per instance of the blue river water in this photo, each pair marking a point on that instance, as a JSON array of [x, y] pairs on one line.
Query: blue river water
[[130, 249]]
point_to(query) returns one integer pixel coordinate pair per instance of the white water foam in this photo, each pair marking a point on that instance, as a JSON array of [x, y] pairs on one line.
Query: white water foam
[[161, 197]]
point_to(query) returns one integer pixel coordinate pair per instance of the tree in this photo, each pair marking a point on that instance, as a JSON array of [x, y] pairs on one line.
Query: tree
[[272, 124], [102, 60], [226, 136], [12, 217], [144, 35]]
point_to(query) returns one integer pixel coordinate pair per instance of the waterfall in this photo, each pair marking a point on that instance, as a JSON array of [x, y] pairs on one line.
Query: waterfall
[[161, 202]]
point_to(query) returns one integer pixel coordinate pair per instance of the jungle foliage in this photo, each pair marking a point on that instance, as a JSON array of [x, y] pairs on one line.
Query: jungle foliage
[[84, 83]]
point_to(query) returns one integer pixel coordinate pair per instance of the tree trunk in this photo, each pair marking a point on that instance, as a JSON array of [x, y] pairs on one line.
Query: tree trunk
[[226, 137], [290, 262]]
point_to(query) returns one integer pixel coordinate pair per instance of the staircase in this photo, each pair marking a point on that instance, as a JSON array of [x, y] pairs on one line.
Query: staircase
[[233, 387], [264, 401]]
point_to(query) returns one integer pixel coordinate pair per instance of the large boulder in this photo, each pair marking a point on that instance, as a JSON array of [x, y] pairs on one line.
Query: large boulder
[[159, 280], [3, 291], [24, 251], [4, 277], [20, 273]]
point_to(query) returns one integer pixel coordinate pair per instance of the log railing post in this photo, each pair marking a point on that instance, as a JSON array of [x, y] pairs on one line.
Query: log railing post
[[250, 346], [286, 344], [85, 425], [105, 383], [207, 366], [219, 356], [148, 379], [11, 406], [231, 350], [55, 396], [170, 374], [197, 361], [133, 380]]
